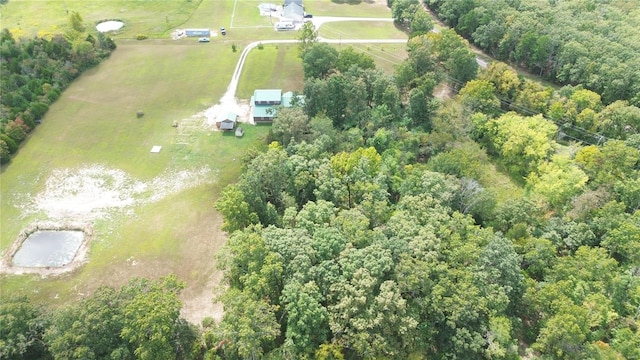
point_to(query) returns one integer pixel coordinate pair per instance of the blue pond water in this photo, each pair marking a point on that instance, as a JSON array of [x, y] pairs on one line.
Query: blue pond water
[[48, 248]]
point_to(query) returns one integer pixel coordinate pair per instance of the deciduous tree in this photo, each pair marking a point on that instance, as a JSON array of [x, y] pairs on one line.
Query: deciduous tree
[[22, 326], [558, 180], [152, 324], [319, 60], [248, 326], [523, 143]]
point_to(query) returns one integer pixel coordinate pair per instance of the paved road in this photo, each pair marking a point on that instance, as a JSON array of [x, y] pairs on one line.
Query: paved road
[[320, 20]]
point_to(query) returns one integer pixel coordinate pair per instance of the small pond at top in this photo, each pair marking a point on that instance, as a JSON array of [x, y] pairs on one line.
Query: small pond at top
[[110, 25], [48, 248]]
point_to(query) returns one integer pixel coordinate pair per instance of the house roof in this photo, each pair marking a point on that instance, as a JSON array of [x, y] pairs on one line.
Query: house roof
[[269, 95], [293, 11], [287, 2], [287, 98], [264, 111], [231, 116]]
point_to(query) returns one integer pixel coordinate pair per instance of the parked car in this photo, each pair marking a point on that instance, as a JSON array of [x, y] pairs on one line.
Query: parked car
[[223, 31], [203, 39], [308, 16]]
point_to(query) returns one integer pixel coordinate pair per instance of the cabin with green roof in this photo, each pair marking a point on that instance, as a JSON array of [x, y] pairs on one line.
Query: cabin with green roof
[[265, 101]]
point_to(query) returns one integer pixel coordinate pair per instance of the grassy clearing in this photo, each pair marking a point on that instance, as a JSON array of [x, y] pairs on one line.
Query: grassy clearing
[[94, 122], [500, 184], [210, 14], [247, 14], [347, 30], [348, 8], [154, 18], [264, 69], [385, 56], [96, 117]]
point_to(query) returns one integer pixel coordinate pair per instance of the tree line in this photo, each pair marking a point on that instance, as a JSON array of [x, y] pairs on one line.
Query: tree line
[[34, 73], [141, 320]]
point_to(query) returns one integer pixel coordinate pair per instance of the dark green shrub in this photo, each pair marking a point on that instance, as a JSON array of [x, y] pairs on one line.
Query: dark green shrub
[[10, 143], [5, 155]]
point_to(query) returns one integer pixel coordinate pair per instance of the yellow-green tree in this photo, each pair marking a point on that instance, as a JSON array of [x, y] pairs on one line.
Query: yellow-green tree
[[558, 180], [523, 143]]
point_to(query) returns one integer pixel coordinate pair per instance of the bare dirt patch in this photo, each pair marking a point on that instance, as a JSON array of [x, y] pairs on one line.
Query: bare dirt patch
[[75, 198], [203, 241], [443, 92], [227, 104], [91, 192]]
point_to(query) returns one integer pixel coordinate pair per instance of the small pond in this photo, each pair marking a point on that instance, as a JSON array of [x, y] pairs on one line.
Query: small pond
[[48, 249], [110, 25]]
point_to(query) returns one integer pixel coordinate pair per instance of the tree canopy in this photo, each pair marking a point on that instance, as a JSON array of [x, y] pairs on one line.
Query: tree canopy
[[593, 43], [382, 223]]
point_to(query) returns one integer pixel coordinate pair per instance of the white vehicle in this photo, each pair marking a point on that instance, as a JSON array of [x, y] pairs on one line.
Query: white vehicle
[[283, 25]]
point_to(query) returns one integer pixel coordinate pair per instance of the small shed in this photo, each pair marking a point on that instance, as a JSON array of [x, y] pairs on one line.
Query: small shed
[[229, 122]]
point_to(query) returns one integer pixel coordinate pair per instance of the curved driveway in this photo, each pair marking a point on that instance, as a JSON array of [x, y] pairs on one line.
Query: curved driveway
[[317, 22], [228, 101]]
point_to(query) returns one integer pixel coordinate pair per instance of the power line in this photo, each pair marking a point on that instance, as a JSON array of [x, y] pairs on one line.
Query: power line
[[597, 137], [588, 137]]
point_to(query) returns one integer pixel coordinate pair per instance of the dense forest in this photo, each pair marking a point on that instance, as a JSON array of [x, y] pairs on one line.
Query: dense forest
[[375, 225], [385, 223], [595, 43], [35, 72]]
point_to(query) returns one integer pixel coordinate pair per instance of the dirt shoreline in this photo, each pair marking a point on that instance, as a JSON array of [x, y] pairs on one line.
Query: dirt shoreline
[[80, 257]]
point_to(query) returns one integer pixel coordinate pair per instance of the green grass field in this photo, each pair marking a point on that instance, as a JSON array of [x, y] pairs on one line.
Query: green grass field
[[265, 68], [358, 8], [94, 123], [347, 30], [154, 18]]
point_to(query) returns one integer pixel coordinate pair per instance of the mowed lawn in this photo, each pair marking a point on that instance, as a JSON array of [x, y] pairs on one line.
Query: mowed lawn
[[271, 67], [358, 8], [95, 123], [152, 18], [349, 30]]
